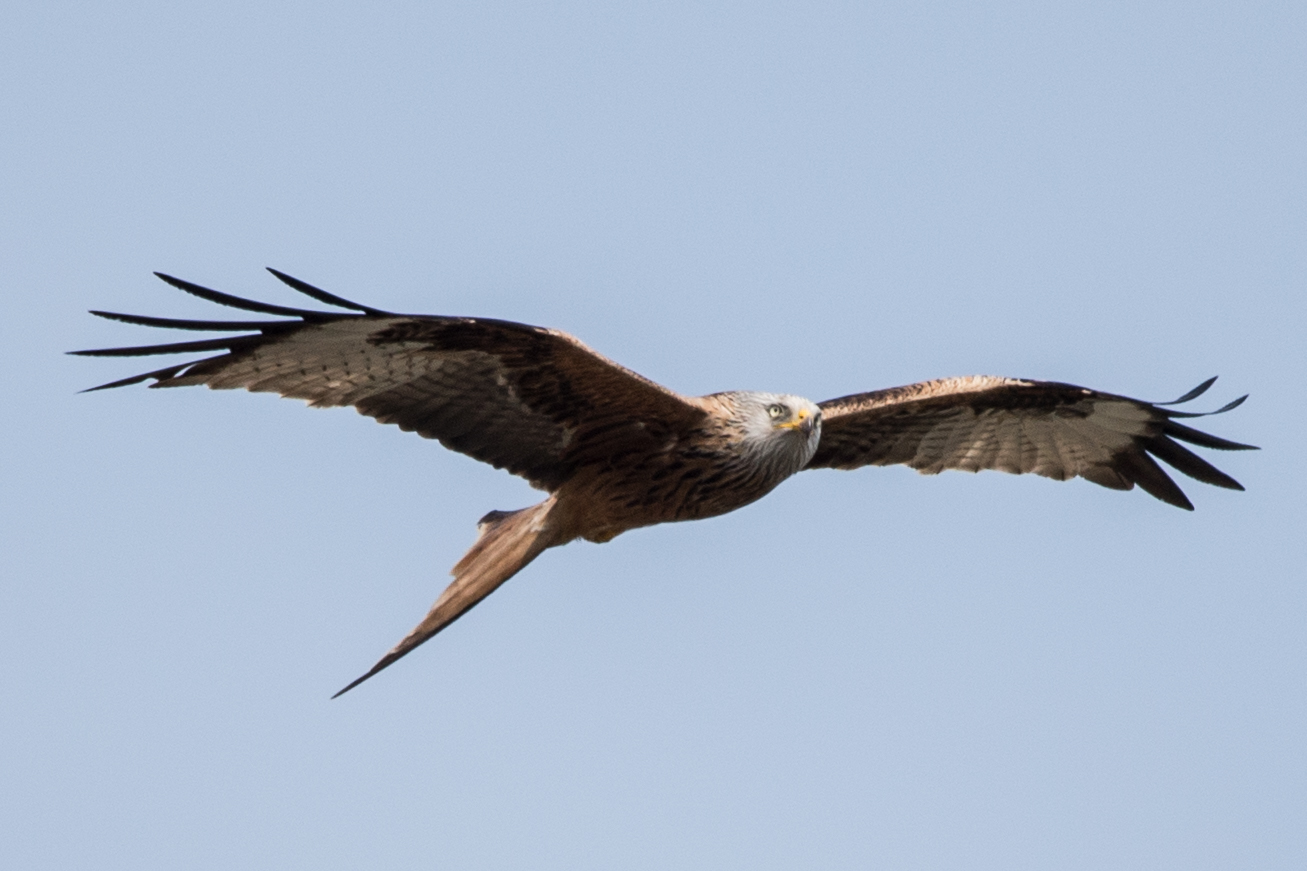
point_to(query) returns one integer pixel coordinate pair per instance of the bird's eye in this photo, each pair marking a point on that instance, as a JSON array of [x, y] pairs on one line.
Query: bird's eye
[[775, 411]]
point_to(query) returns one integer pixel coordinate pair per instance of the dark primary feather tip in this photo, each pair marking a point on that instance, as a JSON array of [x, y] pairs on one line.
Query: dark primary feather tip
[[237, 302], [223, 344], [189, 324], [159, 375], [1192, 394], [1234, 403], [1202, 439], [1178, 457], [321, 295], [1231, 405], [1149, 476], [135, 379]]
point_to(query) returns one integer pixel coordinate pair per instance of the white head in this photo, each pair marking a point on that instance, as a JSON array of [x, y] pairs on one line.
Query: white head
[[781, 430]]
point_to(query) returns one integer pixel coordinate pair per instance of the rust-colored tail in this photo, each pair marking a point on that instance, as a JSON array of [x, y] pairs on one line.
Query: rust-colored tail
[[508, 540]]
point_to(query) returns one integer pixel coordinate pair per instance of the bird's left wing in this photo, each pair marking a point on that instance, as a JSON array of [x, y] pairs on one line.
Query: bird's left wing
[[531, 400], [1051, 429]]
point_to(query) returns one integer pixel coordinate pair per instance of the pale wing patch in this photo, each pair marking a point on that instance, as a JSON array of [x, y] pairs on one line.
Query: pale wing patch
[[1047, 459], [1011, 444], [1125, 417], [322, 364], [937, 445], [983, 445]]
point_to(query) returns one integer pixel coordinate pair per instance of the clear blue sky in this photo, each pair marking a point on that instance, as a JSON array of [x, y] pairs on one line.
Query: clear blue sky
[[865, 670]]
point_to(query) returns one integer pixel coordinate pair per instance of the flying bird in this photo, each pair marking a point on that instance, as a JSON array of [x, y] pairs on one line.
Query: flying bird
[[616, 451]]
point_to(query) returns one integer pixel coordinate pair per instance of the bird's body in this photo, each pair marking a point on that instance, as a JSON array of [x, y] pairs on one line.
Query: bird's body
[[713, 466], [616, 451]]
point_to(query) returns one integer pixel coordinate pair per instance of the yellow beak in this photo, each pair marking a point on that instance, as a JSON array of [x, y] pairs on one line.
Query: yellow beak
[[803, 422]]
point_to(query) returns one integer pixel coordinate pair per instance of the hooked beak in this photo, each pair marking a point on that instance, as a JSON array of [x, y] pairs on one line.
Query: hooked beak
[[803, 422]]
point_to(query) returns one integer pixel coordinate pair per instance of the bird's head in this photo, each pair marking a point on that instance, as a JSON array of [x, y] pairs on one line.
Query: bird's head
[[783, 426]]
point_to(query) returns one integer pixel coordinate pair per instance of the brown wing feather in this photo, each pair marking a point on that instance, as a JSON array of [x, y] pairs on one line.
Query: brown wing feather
[[531, 400], [1018, 426]]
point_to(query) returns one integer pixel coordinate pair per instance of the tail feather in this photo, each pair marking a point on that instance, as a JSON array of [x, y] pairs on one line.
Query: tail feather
[[508, 541]]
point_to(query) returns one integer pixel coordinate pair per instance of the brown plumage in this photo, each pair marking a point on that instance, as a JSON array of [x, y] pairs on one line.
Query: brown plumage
[[616, 451]]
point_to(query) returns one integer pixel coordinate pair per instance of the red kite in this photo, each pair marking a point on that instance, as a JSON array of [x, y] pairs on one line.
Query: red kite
[[615, 451]]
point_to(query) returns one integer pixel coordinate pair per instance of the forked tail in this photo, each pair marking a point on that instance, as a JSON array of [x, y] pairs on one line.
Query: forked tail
[[508, 540]]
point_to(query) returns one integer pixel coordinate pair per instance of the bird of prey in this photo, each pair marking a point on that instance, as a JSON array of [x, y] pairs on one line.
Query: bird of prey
[[615, 451]]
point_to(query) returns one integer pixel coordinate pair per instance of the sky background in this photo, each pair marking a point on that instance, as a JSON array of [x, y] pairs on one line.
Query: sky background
[[864, 670]]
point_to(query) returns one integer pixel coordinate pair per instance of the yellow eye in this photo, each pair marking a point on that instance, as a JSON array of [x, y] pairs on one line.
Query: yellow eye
[[775, 411]]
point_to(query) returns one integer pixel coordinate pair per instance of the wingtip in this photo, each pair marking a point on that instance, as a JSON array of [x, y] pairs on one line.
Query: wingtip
[[123, 382], [321, 295], [1179, 498], [1231, 405], [1192, 394]]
